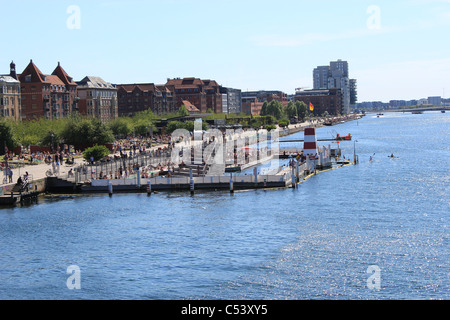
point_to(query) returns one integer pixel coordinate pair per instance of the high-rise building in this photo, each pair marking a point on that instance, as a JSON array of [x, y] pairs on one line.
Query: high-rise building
[[320, 76], [353, 92], [336, 76]]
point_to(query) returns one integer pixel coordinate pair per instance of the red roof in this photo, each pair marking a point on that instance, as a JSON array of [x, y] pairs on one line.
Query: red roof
[[190, 107]]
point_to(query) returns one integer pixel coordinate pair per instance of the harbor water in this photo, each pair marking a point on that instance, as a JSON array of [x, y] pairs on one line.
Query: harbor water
[[320, 241]]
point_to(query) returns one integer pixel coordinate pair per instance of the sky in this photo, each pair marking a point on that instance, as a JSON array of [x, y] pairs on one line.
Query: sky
[[396, 50]]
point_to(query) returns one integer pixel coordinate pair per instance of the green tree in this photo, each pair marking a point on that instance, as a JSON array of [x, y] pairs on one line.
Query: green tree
[[81, 132], [6, 137], [264, 109], [302, 109], [283, 123], [96, 152], [291, 110], [121, 127], [275, 108], [183, 111], [51, 140]]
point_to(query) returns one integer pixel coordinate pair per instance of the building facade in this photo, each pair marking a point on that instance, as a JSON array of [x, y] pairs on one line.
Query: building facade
[[47, 96], [231, 100], [134, 98], [336, 76], [10, 98], [203, 94], [329, 100], [252, 101], [97, 98]]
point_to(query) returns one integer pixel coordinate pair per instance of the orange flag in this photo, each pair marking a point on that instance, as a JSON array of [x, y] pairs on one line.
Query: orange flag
[[311, 107]]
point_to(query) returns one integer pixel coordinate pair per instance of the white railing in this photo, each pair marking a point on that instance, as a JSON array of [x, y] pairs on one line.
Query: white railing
[[197, 180]]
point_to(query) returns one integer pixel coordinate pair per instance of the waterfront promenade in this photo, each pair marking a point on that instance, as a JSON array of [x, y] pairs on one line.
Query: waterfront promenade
[[38, 172]]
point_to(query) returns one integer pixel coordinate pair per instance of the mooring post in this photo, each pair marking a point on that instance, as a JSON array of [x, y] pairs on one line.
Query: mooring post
[[138, 178], [191, 182], [149, 187], [293, 178], [231, 184], [110, 188]]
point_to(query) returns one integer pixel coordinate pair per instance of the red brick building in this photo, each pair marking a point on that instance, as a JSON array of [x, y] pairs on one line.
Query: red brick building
[[168, 98], [51, 96], [203, 94], [253, 101], [134, 98], [330, 100]]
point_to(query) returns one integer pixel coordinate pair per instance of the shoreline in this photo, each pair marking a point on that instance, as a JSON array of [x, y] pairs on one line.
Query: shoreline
[[40, 179]]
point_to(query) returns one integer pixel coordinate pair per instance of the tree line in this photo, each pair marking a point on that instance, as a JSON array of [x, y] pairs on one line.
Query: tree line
[[83, 131]]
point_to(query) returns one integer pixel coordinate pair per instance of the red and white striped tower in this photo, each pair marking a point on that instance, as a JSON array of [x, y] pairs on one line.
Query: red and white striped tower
[[310, 143]]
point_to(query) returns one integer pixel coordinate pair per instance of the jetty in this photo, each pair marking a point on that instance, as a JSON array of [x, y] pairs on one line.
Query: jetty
[[255, 166], [247, 165], [20, 193]]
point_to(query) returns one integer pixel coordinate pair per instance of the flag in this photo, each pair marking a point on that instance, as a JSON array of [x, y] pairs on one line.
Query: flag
[[311, 107]]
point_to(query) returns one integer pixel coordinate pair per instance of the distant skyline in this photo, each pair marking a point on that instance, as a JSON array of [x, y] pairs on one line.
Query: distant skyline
[[397, 50]]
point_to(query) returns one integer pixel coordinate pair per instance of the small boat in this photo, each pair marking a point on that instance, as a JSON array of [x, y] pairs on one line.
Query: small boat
[[417, 112], [345, 138], [329, 124], [442, 111]]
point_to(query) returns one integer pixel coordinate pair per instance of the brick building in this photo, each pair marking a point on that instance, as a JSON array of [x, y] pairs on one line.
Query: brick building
[[330, 100], [134, 98], [51, 96], [98, 98], [252, 101], [203, 94], [10, 100]]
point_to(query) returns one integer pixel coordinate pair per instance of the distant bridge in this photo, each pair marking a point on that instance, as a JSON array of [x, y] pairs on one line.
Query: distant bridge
[[439, 108]]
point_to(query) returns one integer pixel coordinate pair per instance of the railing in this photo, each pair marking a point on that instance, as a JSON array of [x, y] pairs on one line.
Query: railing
[[197, 180], [123, 168]]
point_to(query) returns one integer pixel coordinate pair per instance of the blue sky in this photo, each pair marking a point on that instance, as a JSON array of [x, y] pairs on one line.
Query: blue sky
[[395, 49]]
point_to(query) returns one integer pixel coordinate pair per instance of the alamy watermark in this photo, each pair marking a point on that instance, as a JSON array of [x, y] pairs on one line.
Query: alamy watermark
[[374, 280], [74, 20], [214, 147], [374, 20], [74, 280]]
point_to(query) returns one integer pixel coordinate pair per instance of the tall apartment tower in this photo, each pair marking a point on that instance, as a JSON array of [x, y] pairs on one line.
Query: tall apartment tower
[[334, 76], [320, 76]]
